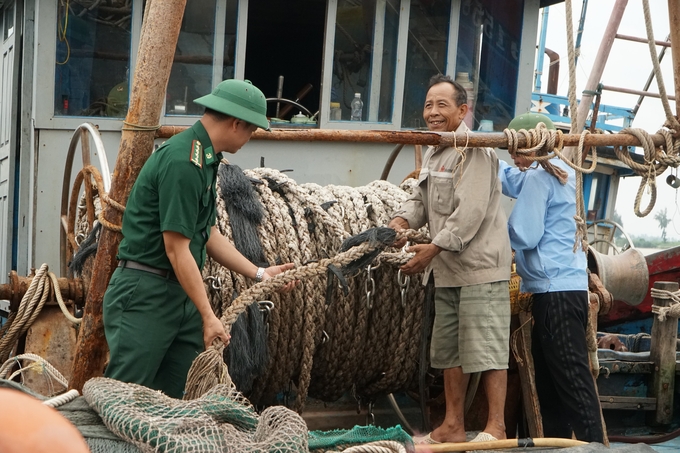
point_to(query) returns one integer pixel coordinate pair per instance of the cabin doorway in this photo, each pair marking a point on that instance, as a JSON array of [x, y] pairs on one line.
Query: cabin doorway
[[9, 88], [286, 39]]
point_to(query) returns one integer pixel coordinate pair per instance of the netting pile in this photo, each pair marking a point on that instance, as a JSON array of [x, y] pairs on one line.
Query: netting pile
[[222, 420]]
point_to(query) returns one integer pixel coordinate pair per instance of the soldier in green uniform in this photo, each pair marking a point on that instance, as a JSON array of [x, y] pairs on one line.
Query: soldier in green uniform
[[157, 317]]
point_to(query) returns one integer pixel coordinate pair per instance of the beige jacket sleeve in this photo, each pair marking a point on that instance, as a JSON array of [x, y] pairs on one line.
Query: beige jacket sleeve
[[413, 210]]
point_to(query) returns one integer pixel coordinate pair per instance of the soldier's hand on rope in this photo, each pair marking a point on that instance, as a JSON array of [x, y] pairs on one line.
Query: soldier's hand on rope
[[399, 224], [424, 254], [276, 270], [214, 329]]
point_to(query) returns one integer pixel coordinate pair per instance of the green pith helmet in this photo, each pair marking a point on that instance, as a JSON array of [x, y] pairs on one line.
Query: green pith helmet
[[240, 99], [529, 120]]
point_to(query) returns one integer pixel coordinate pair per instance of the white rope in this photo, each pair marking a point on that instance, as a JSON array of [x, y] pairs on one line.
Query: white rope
[[671, 311], [39, 365], [60, 300], [60, 400], [381, 446], [29, 308]]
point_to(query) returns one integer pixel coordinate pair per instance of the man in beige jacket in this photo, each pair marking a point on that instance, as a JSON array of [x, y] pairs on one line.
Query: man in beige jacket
[[458, 196]]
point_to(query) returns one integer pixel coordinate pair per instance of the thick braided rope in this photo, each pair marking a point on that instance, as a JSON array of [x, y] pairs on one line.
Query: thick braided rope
[[208, 369], [30, 307], [341, 367], [309, 312], [671, 120], [279, 229], [91, 170], [381, 446], [673, 310], [657, 160], [331, 214], [378, 344], [573, 104]]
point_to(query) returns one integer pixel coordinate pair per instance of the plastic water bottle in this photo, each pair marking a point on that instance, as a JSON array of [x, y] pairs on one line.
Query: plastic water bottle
[[357, 107]]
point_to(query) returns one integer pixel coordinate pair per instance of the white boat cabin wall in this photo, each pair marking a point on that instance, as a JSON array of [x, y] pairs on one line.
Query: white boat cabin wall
[[77, 58]]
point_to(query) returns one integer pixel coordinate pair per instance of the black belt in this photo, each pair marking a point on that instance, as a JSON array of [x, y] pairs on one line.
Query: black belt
[[169, 274]]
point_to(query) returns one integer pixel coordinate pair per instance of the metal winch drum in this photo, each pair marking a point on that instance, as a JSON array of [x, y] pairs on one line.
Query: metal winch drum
[[625, 275]]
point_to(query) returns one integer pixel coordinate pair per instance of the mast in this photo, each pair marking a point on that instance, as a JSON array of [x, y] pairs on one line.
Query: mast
[[674, 19], [160, 31]]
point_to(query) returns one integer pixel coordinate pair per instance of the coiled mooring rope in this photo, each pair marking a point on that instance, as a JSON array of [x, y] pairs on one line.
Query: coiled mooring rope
[[320, 339], [32, 303]]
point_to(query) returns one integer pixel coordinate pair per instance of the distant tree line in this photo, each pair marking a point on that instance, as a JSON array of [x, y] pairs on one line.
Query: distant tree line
[[648, 241]]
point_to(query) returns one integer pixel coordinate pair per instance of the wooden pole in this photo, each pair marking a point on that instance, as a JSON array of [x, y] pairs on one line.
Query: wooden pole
[[527, 371], [597, 70], [639, 92], [160, 30], [600, 62], [674, 19], [662, 354], [473, 140]]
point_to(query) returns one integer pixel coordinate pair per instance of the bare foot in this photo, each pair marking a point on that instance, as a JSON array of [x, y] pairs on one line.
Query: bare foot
[[496, 430], [447, 433]]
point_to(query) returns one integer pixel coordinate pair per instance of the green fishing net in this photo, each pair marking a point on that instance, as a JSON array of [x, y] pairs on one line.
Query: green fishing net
[[222, 420], [338, 439]]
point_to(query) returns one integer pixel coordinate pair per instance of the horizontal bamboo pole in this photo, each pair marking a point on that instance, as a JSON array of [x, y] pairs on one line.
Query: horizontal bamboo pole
[[642, 40], [638, 92], [475, 139], [499, 444]]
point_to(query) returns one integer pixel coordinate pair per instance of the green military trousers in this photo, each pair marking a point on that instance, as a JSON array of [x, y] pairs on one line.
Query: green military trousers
[[153, 329]]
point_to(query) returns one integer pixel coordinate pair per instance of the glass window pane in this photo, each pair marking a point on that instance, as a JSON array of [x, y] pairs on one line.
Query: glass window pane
[[230, 40], [93, 59], [428, 31], [488, 57], [8, 29], [365, 57], [192, 70]]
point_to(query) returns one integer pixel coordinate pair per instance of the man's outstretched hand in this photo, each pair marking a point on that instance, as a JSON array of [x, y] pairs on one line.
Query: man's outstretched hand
[[424, 254], [399, 224], [276, 270]]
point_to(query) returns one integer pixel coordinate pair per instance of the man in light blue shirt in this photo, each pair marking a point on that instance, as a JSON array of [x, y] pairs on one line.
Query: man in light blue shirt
[[542, 232]]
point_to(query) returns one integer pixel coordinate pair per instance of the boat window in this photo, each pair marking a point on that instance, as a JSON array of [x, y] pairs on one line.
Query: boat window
[[426, 55], [488, 59], [7, 21], [365, 57], [596, 193], [191, 73], [284, 55], [92, 58]]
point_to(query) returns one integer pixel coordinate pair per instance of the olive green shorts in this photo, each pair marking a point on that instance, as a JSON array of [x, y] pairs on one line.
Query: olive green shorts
[[471, 327]]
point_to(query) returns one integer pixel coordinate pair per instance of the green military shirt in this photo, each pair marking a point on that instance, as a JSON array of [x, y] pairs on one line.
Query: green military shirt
[[175, 191]]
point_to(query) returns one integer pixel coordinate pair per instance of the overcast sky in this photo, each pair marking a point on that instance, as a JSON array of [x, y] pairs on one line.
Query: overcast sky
[[628, 66]]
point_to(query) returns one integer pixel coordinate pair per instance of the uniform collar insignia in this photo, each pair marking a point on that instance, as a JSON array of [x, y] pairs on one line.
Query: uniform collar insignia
[[210, 155]]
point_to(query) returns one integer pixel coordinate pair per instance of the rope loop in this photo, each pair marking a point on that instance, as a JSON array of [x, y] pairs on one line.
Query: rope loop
[[670, 119], [671, 311], [139, 127], [656, 161]]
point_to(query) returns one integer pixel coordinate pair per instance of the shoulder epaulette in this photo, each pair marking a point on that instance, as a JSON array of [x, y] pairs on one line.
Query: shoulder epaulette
[[197, 153]]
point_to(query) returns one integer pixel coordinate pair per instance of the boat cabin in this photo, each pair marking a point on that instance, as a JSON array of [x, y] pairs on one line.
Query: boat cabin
[[69, 62]]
